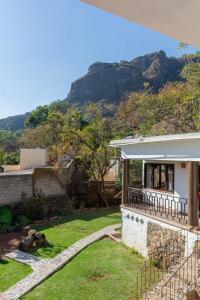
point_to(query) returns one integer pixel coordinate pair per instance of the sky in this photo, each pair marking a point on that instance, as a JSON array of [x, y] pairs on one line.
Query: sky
[[47, 44]]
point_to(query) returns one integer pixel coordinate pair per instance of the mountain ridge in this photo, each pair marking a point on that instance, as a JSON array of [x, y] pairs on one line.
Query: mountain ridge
[[111, 82]]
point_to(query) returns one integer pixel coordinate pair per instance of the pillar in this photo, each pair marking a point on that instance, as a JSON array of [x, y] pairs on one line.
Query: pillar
[[125, 181], [193, 199]]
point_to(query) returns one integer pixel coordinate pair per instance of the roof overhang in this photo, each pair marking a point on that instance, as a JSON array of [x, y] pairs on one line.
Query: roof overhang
[[176, 18], [177, 147]]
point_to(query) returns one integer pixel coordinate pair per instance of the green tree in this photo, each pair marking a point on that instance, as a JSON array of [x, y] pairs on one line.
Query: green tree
[[37, 117]]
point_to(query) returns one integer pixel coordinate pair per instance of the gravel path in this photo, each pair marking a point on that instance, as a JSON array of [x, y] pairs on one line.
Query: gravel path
[[43, 268]]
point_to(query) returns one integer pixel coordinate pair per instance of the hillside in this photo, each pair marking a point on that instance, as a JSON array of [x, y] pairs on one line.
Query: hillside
[[110, 82], [13, 123]]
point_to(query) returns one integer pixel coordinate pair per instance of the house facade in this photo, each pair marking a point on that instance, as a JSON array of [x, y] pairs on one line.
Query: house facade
[[169, 197]]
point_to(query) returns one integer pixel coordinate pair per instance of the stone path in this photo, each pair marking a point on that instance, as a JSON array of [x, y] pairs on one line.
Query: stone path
[[35, 262], [45, 268]]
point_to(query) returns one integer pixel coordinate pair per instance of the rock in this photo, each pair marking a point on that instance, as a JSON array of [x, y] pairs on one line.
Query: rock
[[31, 232], [26, 244], [26, 230], [110, 82], [39, 239], [192, 295]]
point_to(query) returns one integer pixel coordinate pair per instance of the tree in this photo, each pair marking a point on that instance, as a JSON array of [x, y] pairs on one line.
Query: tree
[[37, 117], [89, 147]]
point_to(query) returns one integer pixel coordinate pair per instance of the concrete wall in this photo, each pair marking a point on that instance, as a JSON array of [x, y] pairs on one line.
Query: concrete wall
[[135, 231], [49, 186], [12, 186], [45, 179], [11, 168], [32, 158]]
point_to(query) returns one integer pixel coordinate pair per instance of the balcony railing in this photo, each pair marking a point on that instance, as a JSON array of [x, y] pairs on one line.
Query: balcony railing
[[157, 203]]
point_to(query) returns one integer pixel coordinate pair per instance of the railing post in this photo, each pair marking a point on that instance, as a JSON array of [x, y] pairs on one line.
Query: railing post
[[125, 181], [193, 199]]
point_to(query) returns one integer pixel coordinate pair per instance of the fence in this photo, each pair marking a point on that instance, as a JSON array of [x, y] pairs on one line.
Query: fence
[[158, 203], [169, 274]]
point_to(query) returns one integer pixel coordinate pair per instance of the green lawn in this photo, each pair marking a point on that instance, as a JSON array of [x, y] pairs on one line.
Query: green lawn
[[63, 233], [105, 270], [11, 272]]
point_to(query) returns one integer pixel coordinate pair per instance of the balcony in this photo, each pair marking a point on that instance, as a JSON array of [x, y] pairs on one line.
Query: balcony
[[156, 203]]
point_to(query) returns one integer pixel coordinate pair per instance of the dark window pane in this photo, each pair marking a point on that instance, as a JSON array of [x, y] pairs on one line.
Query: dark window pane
[[149, 176], [156, 183], [171, 178], [159, 176], [163, 177]]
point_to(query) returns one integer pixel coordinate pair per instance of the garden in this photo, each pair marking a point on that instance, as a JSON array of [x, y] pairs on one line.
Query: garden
[[103, 270]]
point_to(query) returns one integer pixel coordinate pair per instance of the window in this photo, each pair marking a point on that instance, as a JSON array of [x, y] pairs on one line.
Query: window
[[159, 176]]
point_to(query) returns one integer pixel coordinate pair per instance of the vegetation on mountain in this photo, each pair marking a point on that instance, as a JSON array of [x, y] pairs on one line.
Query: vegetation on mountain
[[108, 84], [83, 132], [13, 123]]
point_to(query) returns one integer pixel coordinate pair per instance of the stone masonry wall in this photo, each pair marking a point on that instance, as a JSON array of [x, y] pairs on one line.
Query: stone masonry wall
[[49, 186], [12, 186]]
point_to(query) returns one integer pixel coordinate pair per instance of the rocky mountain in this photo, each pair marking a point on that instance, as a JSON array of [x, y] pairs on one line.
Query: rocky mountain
[[112, 81]]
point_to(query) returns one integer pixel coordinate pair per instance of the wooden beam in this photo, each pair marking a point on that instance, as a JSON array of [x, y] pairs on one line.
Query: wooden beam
[[125, 181], [193, 199]]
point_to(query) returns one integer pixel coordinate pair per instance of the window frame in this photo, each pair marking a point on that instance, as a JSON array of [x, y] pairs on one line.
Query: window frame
[[158, 165]]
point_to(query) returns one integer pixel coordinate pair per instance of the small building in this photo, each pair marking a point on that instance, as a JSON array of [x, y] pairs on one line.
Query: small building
[[29, 159], [169, 197]]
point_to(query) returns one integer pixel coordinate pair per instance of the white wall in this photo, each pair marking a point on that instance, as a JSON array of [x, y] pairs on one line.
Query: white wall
[[134, 231], [181, 182], [32, 158]]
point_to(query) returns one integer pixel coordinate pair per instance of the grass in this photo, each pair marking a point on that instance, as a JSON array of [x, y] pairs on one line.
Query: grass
[[11, 272], [63, 233], [105, 270]]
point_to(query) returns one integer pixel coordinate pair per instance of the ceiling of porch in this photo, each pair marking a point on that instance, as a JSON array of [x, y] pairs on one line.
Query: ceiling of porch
[[176, 18]]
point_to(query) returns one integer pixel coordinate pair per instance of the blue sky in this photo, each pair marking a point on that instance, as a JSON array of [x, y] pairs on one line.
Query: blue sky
[[47, 44]]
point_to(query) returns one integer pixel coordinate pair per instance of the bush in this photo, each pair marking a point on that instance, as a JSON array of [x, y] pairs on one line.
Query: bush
[[34, 207], [5, 215], [22, 220]]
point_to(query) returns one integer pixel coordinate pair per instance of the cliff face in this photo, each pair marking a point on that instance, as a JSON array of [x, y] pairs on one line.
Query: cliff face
[[112, 81]]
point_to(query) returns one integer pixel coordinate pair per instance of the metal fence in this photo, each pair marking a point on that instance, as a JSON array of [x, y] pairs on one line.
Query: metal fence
[[171, 275], [160, 204], [161, 260]]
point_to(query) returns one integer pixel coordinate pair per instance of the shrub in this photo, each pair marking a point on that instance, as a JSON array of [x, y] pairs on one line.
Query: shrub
[[5, 215], [22, 220], [34, 207]]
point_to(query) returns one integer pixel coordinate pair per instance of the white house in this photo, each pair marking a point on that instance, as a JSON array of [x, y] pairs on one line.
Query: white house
[[170, 193]]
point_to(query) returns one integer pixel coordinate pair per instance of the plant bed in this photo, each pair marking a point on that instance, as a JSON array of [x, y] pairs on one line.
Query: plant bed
[[9, 241]]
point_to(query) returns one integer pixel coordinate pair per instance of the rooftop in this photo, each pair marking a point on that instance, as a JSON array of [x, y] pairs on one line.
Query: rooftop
[[154, 139]]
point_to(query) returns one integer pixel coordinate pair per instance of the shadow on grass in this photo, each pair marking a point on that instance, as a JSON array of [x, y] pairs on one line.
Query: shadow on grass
[[83, 215], [3, 262]]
